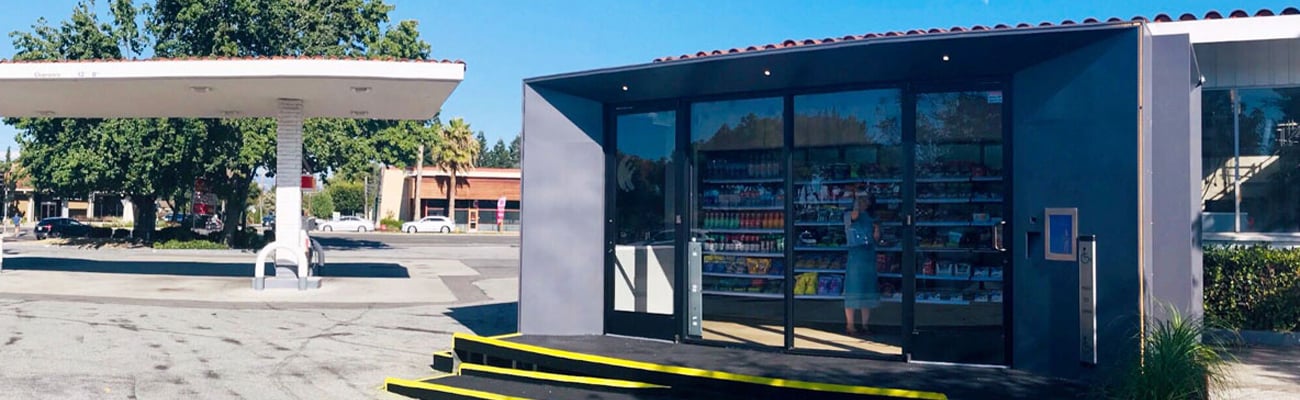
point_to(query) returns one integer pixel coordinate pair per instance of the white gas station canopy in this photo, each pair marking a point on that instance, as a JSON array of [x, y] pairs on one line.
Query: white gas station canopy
[[288, 89], [227, 88]]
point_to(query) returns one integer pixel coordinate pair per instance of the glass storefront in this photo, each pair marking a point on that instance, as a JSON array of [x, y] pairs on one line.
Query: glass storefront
[[848, 156], [869, 222], [740, 180], [1250, 182]]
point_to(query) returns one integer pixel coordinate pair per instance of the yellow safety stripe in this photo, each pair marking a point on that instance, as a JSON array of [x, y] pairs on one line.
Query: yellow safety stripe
[[695, 372], [505, 336], [585, 380], [447, 389]]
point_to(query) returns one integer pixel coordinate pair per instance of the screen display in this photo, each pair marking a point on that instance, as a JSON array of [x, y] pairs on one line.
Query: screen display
[[1061, 234]]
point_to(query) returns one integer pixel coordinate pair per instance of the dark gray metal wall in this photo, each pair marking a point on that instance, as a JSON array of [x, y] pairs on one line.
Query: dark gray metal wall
[[561, 263], [1177, 184], [1077, 143]]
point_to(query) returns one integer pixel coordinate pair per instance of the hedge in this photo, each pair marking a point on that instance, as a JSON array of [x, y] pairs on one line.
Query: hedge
[[1253, 287], [190, 245]]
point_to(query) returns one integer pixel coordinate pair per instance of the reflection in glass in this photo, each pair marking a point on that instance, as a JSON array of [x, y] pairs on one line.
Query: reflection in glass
[[644, 213], [848, 166], [1265, 132], [959, 211], [739, 208]]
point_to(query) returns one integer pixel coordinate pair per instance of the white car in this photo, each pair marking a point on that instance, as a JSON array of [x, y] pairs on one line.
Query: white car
[[357, 224], [435, 223]]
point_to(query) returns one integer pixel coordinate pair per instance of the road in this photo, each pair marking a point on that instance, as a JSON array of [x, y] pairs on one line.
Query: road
[[146, 324]]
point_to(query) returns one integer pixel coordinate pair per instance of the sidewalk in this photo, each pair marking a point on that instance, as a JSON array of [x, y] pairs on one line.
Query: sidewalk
[[1264, 373]]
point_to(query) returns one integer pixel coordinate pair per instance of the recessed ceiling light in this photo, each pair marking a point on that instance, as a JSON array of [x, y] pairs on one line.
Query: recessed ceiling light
[[361, 89], [360, 113], [624, 88], [201, 89], [945, 57], [767, 72]]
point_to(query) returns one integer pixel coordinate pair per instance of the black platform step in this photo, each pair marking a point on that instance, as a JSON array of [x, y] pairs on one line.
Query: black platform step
[[553, 354], [444, 361], [502, 387]]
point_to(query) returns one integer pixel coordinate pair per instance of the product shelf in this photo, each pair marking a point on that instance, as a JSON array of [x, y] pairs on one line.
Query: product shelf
[[742, 180], [742, 208], [828, 223], [742, 230], [958, 179], [728, 275], [816, 270], [848, 181], [942, 277], [827, 248], [744, 254], [743, 294]]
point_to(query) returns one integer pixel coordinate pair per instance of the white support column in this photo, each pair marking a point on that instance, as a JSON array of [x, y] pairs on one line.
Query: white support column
[[128, 210], [288, 174]]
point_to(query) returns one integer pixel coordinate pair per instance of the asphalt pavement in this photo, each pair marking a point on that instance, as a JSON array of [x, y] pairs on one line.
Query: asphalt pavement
[[145, 324]]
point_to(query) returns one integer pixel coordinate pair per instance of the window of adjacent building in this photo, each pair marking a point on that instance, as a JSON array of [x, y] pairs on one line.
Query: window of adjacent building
[[1251, 160]]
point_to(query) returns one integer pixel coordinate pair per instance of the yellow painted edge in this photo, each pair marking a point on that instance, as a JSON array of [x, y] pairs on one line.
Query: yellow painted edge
[[442, 352], [446, 389], [503, 337], [585, 380], [727, 376], [384, 387]]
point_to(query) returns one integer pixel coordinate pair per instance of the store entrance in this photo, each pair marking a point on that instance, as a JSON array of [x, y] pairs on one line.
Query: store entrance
[[641, 269]]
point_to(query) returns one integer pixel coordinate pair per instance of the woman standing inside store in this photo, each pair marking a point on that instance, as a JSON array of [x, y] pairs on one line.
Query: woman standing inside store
[[860, 292]]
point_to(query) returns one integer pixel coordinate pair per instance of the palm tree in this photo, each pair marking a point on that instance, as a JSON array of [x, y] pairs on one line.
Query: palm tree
[[457, 153]]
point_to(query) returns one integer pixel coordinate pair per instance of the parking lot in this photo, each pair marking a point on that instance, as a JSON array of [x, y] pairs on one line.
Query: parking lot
[[145, 324]]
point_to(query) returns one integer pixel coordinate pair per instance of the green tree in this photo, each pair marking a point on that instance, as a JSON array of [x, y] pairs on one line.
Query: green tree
[[516, 150], [483, 155], [320, 205], [455, 154], [348, 197], [499, 156]]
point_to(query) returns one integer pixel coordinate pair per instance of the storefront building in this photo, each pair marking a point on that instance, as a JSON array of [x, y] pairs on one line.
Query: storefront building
[[478, 189], [703, 198]]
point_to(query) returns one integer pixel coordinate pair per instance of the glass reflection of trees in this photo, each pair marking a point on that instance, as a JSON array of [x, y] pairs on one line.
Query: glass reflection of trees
[[1270, 160], [947, 119], [643, 176]]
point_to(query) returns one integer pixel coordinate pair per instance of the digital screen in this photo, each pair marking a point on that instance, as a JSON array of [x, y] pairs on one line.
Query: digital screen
[[1061, 235]]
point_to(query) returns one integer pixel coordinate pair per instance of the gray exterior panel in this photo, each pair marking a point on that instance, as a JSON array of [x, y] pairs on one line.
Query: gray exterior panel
[[561, 264], [1176, 188], [1077, 144]]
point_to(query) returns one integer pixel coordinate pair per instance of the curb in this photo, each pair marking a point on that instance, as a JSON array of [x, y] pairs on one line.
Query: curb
[[1260, 338]]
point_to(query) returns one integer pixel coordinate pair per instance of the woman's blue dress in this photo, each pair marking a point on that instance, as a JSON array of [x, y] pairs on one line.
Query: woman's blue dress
[[860, 278]]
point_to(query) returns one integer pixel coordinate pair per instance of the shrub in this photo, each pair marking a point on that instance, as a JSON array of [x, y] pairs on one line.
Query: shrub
[[190, 245], [1253, 287], [99, 233], [391, 223], [1176, 363]]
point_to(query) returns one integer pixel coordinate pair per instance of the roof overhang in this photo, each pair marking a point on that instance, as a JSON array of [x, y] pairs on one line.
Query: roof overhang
[[970, 54], [1233, 29], [388, 90]]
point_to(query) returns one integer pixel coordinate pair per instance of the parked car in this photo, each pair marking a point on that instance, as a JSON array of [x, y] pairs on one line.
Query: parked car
[[268, 220], [436, 223], [347, 224], [60, 227], [208, 222]]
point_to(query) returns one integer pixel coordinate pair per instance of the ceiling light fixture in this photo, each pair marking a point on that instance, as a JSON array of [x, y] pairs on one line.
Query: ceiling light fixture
[[767, 72], [945, 57], [624, 88], [201, 89], [361, 89]]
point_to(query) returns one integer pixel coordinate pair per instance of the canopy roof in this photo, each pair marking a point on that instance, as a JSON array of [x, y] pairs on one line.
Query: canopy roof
[[227, 88]]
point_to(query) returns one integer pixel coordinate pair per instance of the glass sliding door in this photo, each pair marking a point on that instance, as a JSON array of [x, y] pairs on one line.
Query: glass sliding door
[[960, 214], [643, 266], [738, 178], [848, 167]]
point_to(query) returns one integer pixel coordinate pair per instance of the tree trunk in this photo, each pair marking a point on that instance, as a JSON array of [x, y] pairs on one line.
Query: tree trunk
[[236, 209], [146, 212], [451, 198]]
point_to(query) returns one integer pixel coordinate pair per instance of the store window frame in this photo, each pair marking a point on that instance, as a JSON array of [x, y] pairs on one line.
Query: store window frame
[[908, 89]]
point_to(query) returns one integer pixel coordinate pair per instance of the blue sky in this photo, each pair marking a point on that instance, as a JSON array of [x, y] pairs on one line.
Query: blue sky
[[506, 41]]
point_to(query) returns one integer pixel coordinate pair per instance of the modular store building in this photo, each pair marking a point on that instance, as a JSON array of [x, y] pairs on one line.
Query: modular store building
[[1035, 191]]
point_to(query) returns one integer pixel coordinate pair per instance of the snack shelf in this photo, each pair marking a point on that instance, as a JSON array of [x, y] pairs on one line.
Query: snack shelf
[[958, 179], [744, 254], [923, 249], [743, 230], [753, 276], [743, 180], [815, 270], [742, 208], [826, 248], [943, 277], [841, 223], [958, 224], [743, 294], [850, 181]]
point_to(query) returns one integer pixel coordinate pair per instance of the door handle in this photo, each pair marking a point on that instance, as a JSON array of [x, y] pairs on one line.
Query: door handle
[[997, 236]]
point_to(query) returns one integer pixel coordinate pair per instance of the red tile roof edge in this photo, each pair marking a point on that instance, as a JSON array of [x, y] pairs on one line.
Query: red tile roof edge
[[848, 38], [225, 58]]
